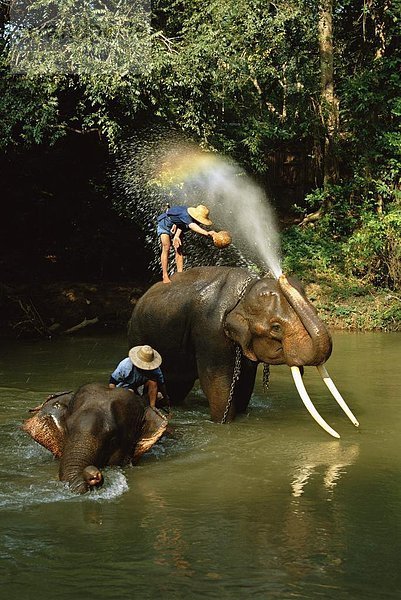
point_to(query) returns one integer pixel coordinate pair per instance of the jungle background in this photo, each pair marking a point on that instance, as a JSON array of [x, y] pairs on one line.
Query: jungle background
[[303, 94]]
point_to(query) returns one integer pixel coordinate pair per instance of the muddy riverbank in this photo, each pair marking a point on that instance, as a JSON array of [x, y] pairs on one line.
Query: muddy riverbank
[[65, 308]]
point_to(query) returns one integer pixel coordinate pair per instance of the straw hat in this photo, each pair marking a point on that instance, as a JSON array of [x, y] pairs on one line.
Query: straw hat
[[200, 213], [144, 357]]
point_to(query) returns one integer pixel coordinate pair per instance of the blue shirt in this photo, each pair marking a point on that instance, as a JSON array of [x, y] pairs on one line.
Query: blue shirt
[[176, 215], [180, 216], [129, 376]]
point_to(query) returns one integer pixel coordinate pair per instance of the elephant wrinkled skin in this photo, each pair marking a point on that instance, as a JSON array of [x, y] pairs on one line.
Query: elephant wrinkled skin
[[93, 428], [198, 320]]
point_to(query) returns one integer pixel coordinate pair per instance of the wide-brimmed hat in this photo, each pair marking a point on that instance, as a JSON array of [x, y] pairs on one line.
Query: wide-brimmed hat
[[144, 357], [200, 213]]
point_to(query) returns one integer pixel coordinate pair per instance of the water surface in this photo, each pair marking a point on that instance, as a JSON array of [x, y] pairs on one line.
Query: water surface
[[269, 506]]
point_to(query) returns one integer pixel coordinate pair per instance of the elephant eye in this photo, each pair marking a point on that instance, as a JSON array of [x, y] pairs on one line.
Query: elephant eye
[[275, 328]]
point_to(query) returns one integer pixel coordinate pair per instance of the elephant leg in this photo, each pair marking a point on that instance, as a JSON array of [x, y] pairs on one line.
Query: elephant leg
[[245, 384], [179, 390], [217, 383]]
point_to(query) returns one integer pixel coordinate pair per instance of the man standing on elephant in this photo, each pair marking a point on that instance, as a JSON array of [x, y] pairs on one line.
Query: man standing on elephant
[[141, 368], [172, 224]]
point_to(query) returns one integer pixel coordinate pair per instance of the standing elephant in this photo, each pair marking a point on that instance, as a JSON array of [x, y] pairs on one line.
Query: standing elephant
[[95, 427], [216, 324]]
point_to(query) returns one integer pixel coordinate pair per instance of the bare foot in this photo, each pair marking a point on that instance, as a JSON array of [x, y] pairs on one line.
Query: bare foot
[[166, 280]]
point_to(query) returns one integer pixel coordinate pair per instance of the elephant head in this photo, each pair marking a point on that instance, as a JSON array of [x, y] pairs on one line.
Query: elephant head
[[93, 428], [275, 323]]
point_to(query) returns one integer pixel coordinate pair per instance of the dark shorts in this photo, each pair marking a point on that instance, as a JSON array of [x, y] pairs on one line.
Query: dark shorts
[[164, 225]]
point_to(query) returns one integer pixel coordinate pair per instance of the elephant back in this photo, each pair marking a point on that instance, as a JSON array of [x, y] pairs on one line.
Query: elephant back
[[178, 317]]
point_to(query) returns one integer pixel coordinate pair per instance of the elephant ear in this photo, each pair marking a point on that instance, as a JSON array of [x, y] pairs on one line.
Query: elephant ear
[[46, 426], [236, 327], [154, 425], [46, 432]]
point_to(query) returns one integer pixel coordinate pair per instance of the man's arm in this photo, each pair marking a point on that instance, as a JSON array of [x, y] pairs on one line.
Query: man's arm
[[198, 229], [157, 375], [177, 238]]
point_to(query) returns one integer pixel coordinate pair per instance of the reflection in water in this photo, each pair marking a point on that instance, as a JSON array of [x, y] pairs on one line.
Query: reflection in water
[[263, 508], [271, 529], [92, 513], [333, 457], [170, 544], [171, 547], [311, 549]]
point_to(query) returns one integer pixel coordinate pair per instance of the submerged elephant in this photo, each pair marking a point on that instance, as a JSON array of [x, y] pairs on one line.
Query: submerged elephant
[[95, 427], [218, 323]]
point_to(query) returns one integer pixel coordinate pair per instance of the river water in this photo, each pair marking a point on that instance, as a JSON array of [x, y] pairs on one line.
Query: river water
[[269, 506]]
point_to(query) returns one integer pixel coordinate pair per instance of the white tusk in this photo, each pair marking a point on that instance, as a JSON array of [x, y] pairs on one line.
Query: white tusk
[[330, 384], [308, 402]]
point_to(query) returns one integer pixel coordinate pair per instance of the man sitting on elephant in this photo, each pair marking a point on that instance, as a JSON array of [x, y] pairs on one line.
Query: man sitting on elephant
[[141, 368]]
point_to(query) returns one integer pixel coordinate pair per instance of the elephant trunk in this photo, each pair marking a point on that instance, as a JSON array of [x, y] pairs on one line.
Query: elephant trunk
[[319, 348], [318, 351], [77, 465]]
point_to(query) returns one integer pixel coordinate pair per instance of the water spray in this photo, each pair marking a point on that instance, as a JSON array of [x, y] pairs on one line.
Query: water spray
[[161, 170]]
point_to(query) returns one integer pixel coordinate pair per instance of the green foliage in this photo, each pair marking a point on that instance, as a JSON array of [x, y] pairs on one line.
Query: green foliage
[[241, 77], [28, 109], [249, 66], [342, 204], [374, 250], [369, 83], [83, 63], [92, 40], [391, 317], [307, 252]]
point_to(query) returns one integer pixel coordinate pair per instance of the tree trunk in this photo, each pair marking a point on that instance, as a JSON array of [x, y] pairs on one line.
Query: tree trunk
[[329, 107], [329, 102]]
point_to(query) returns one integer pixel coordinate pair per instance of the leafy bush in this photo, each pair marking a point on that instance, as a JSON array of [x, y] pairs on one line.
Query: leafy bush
[[391, 318], [374, 250], [307, 251]]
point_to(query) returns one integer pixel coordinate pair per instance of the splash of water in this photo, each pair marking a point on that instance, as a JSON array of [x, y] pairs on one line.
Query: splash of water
[[236, 204], [157, 171]]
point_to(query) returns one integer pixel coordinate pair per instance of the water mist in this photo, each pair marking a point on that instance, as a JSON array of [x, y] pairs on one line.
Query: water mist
[[159, 171]]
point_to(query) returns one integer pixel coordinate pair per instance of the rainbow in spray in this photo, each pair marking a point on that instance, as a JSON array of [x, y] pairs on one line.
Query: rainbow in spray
[[191, 176], [182, 163]]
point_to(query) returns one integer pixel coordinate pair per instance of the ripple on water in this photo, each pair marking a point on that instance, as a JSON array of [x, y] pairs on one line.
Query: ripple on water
[[31, 475], [20, 495]]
